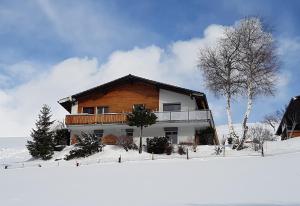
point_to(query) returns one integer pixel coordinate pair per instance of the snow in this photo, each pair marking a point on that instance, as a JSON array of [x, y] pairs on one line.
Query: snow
[[12, 149], [240, 178], [223, 181]]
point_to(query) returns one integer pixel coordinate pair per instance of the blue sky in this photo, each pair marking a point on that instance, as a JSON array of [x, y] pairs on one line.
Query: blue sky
[[40, 39]]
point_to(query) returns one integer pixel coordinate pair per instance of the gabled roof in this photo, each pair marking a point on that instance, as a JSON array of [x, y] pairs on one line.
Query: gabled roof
[[67, 102], [295, 100]]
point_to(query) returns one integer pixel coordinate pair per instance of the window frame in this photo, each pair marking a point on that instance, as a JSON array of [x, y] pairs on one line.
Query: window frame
[[93, 109], [102, 109], [172, 104]]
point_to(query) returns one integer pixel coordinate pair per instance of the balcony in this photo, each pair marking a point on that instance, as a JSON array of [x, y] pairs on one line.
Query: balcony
[[120, 118]]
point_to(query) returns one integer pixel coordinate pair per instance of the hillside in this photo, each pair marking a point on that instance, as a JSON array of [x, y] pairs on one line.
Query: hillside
[[244, 180]]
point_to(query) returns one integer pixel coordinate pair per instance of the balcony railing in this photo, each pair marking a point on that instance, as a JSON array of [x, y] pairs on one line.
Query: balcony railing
[[115, 118]]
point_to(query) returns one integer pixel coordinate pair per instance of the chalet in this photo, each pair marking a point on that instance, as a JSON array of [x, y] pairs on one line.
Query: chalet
[[183, 115], [290, 124]]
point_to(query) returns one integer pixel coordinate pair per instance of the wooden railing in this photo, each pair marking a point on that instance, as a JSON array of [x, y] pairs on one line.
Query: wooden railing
[[114, 118], [95, 119]]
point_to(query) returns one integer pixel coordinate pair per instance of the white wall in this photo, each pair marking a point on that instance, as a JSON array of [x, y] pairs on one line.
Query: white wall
[[166, 96], [74, 109]]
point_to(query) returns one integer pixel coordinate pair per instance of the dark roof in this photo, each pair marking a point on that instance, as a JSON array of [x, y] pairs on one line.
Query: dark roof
[[295, 101], [67, 102]]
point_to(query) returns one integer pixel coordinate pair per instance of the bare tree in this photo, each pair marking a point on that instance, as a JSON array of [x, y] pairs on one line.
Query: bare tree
[[258, 63], [273, 119], [221, 76]]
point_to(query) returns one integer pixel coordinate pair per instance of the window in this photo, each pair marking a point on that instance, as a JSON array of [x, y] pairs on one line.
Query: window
[[129, 132], [88, 110], [171, 107], [98, 133], [102, 110], [172, 134]]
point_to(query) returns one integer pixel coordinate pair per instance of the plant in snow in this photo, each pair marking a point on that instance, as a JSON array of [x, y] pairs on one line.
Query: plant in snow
[[258, 135], [157, 145], [141, 117], [88, 144], [42, 145], [258, 63], [127, 143], [181, 150]]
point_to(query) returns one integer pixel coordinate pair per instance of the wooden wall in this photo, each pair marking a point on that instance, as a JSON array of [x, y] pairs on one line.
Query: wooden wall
[[296, 133], [121, 98]]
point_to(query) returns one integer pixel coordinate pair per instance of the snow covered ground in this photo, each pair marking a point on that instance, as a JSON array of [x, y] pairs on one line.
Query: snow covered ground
[[272, 180], [240, 178]]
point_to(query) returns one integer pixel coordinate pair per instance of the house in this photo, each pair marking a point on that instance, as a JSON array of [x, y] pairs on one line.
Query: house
[[290, 124], [183, 115]]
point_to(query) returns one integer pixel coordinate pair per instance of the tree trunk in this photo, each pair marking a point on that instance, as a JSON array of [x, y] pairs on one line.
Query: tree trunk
[[141, 145], [229, 117], [246, 117]]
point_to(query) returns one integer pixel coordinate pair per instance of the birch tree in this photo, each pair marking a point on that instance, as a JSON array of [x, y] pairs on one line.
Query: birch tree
[[219, 67], [258, 63]]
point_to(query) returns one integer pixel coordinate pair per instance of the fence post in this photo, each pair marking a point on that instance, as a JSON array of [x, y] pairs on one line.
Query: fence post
[[262, 150], [120, 159], [77, 164], [152, 156], [187, 153]]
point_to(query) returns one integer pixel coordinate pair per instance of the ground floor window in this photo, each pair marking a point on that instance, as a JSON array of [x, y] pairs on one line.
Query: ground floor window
[[98, 133], [172, 134], [129, 132]]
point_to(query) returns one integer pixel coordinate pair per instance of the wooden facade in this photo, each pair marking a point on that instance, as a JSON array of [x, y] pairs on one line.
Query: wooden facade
[[295, 133], [121, 98]]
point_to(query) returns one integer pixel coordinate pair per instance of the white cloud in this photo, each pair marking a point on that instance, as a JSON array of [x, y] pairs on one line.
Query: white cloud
[[20, 105]]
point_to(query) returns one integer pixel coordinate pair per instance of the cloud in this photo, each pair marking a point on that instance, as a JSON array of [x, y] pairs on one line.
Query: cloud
[[175, 64], [91, 30]]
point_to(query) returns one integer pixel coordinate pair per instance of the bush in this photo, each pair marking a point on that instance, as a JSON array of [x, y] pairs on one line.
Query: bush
[[87, 145], [181, 150], [230, 140], [61, 138], [127, 143], [157, 145], [169, 149]]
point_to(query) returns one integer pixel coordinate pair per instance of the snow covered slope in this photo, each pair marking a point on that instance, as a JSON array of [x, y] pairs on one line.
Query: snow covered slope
[[272, 180], [13, 149]]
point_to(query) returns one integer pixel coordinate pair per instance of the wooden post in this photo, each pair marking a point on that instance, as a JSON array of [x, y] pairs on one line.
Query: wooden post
[[120, 159], [262, 149], [187, 153], [77, 164], [152, 156]]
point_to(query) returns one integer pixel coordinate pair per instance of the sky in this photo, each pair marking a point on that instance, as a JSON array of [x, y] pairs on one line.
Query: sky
[[53, 49]]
